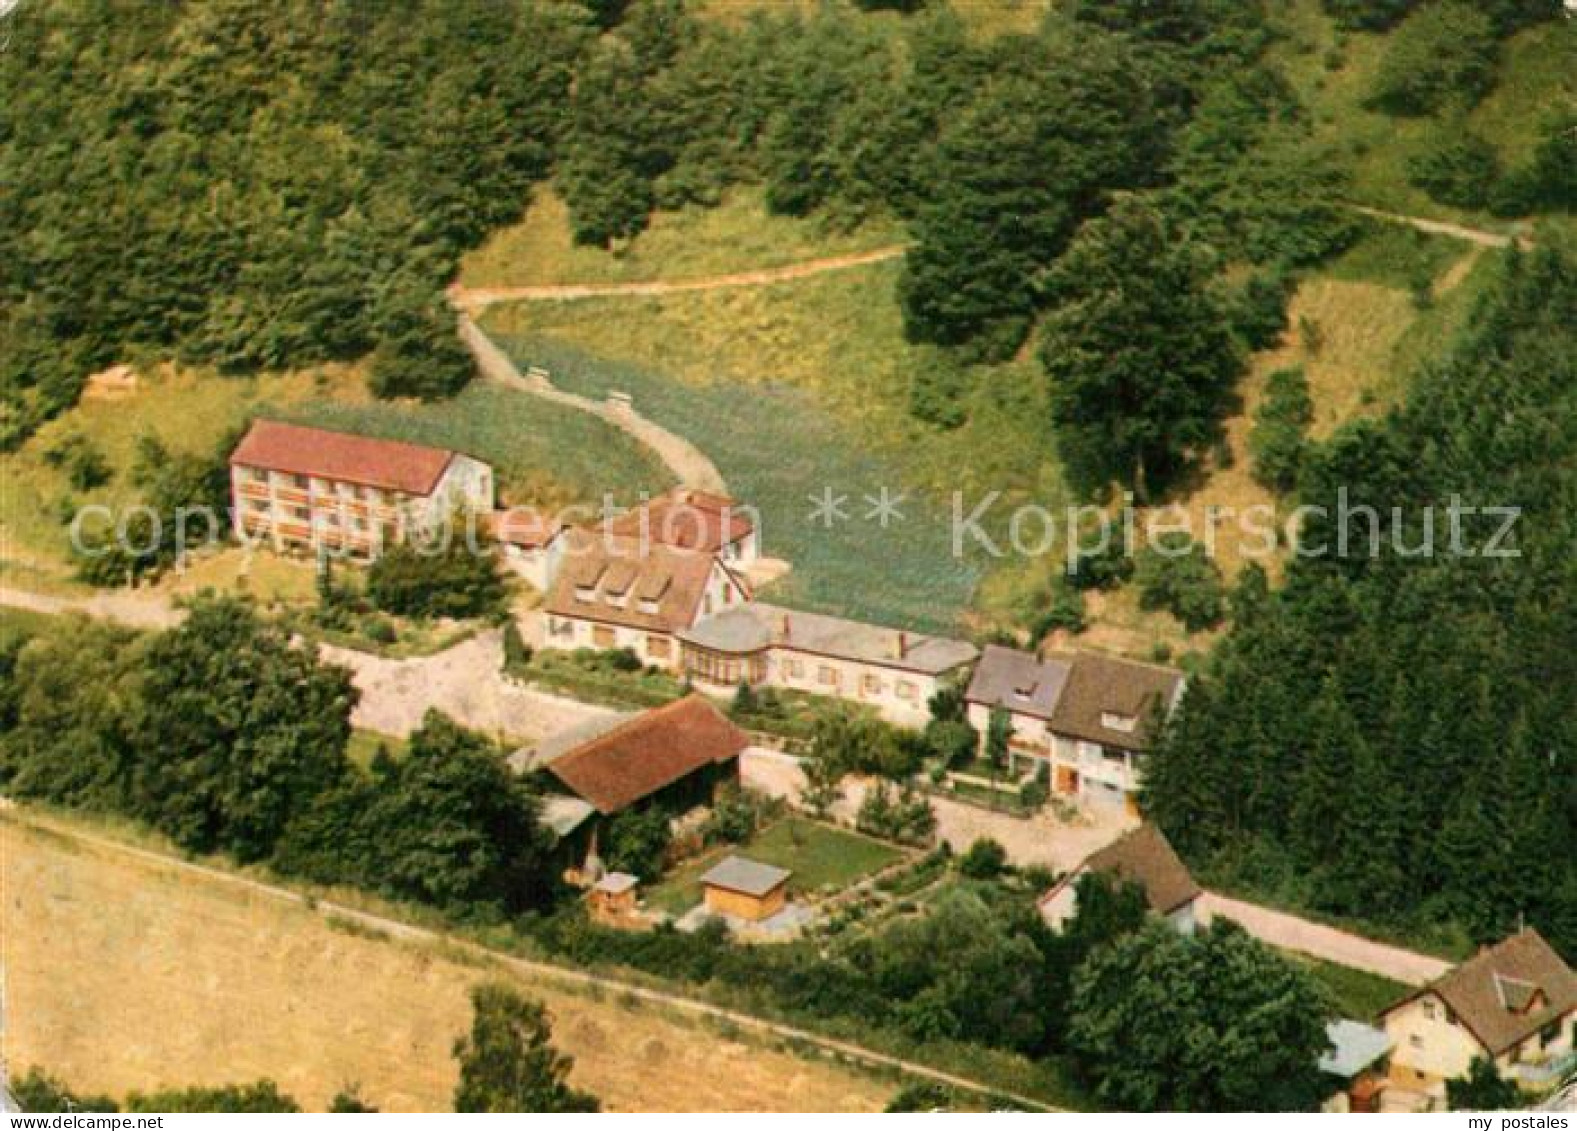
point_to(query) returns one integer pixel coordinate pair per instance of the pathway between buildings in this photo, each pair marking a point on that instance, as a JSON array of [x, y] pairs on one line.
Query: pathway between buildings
[[1063, 845], [687, 462], [451, 944], [473, 300], [1341, 947]]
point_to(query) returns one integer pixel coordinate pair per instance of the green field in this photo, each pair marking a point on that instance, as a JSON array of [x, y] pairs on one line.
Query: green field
[[820, 856], [803, 387]]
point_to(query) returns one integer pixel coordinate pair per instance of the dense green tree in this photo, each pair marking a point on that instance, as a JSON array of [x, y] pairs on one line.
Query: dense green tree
[[636, 841], [38, 1093], [239, 728], [1213, 1022], [1177, 574], [1443, 53], [1457, 167], [452, 580], [1141, 362], [1483, 1089], [507, 1061], [1280, 766]]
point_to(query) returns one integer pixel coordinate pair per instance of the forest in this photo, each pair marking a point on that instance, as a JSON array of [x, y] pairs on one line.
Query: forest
[[1390, 734]]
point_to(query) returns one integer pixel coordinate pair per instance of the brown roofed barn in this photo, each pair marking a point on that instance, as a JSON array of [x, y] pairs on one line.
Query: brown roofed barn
[[651, 754], [1142, 856]]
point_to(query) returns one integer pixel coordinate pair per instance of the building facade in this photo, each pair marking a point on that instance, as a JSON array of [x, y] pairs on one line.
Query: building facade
[[1087, 719], [300, 489]]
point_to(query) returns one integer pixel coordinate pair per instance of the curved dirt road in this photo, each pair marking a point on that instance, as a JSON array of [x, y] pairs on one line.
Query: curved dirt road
[[476, 299], [1445, 228], [688, 463]]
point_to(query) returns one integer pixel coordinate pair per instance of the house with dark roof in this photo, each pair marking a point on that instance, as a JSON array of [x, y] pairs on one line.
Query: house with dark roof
[[1140, 856], [675, 755], [892, 670], [300, 489], [612, 592], [738, 888], [1514, 1003], [1089, 719]]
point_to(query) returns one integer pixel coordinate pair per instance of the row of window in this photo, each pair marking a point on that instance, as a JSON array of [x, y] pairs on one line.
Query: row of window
[[322, 486]]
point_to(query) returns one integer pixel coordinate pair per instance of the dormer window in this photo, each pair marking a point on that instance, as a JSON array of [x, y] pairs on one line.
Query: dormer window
[[586, 594], [648, 606], [1125, 724], [1024, 692]]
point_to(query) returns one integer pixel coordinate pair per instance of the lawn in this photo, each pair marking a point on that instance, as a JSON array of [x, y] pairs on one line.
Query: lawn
[[365, 744], [1358, 994], [737, 235], [822, 858], [124, 972], [802, 388]]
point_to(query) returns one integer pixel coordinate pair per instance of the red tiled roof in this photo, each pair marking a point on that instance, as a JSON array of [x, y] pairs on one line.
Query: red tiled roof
[[650, 752], [688, 519], [298, 450]]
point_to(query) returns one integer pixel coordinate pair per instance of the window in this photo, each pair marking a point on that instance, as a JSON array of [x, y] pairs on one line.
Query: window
[[1416, 1041], [657, 647], [907, 690], [792, 668], [1551, 1032], [826, 675], [1429, 1010], [299, 482], [602, 636], [870, 685]]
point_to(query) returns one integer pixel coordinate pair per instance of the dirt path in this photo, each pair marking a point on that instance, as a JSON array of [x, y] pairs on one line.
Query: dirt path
[[1445, 228], [688, 463], [407, 932], [473, 300], [465, 683], [1342, 947]]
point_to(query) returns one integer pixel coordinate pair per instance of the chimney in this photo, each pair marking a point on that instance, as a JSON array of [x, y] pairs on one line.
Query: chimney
[[903, 644], [787, 635]]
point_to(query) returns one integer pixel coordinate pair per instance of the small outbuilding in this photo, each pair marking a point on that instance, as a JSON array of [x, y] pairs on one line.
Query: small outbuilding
[[613, 896], [746, 889]]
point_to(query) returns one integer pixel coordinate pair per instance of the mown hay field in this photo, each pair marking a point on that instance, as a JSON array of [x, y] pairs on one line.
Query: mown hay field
[[128, 974]]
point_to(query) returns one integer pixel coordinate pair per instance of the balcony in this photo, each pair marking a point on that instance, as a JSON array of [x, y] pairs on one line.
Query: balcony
[[252, 490], [1541, 1074]]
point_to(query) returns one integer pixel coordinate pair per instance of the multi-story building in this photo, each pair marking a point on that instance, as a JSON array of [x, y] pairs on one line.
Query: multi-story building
[[299, 488], [1089, 719]]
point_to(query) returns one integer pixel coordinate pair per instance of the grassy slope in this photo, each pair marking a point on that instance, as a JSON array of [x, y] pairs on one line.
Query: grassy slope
[[1538, 70], [542, 451], [737, 235]]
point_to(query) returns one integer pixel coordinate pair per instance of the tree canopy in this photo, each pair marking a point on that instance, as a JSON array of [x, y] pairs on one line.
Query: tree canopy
[[507, 1062]]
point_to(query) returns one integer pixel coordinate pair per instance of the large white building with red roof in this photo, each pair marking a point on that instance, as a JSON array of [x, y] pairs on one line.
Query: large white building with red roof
[[301, 488]]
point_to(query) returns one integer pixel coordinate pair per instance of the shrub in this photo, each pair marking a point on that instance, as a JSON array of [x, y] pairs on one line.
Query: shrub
[[951, 741], [83, 463], [1277, 439], [1066, 612], [1458, 168], [637, 842], [517, 653], [984, 860], [1177, 575], [896, 814], [1442, 53], [1101, 559], [455, 582]]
